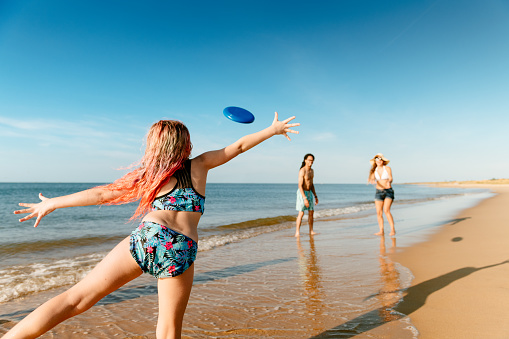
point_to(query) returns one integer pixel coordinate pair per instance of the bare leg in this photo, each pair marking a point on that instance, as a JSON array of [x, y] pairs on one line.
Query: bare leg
[[311, 221], [115, 270], [388, 214], [298, 222], [379, 214], [173, 297]]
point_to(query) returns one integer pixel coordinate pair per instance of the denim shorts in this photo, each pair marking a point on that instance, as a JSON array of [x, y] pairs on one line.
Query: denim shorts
[[381, 195]]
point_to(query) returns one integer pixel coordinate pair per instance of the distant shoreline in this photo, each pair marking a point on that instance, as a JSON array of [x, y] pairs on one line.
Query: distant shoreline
[[464, 183]]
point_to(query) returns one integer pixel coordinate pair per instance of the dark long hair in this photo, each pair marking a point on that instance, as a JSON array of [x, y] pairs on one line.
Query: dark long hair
[[305, 157]]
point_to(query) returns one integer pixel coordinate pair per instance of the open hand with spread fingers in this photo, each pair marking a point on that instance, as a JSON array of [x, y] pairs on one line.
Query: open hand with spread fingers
[[38, 210], [283, 127]]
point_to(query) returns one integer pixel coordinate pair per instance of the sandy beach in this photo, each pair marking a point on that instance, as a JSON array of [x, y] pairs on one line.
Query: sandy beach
[[443, 276], [460, 288]]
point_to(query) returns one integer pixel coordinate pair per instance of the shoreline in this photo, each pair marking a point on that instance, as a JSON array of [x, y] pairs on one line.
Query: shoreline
[[460, 286]]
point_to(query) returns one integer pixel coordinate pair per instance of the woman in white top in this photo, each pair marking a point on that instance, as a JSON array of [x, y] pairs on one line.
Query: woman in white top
[[381, 176]]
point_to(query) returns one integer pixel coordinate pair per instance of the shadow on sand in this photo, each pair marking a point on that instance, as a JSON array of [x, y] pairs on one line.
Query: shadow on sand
[[414, 299]]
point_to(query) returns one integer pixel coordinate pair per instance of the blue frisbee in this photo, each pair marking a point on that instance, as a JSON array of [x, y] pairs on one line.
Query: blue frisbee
[[238, 114]]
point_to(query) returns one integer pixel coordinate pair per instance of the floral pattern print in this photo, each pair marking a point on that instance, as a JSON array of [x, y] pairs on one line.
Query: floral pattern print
[[160, 251], [301, 206], [180, 199]]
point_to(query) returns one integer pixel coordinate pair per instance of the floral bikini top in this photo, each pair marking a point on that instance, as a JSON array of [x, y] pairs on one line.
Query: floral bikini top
[[183, 197]]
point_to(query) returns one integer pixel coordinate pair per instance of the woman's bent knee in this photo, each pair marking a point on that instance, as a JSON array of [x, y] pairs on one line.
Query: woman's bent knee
[[77, 302]]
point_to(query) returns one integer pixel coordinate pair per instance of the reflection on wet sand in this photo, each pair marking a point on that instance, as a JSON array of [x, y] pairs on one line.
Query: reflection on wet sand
[[388, 298], [310, 278], [391, 286]]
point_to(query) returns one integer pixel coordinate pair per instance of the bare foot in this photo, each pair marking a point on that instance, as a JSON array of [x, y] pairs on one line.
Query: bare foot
[[393, 233], [379, 233], [313, 233], [297, 235]]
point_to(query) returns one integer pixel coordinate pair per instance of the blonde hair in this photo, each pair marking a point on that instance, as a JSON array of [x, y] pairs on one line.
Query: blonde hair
[[168, 147]]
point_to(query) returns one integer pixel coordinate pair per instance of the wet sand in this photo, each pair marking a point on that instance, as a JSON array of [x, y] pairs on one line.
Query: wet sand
[[461, 286], [270, 286]]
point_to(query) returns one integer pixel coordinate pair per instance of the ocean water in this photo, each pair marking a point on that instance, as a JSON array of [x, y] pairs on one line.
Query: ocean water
[[70, 242]]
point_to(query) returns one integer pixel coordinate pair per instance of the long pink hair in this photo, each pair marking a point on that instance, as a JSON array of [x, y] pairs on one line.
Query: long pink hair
[[168, 147]]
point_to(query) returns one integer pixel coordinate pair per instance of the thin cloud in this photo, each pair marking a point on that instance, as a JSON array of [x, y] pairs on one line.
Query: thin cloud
[[411, 25], [326, 136], [24, 124], [55, 128], [51, 126], [79, 134]]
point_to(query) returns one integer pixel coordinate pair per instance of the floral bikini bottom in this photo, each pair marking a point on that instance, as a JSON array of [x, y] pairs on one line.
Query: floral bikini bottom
[[160, 251]]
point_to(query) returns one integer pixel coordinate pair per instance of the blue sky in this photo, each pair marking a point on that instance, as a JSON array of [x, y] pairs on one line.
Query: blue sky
[[424, 82]]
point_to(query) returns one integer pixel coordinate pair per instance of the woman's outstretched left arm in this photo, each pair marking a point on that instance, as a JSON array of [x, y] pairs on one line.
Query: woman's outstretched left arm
[[93, 196], [211, 159]]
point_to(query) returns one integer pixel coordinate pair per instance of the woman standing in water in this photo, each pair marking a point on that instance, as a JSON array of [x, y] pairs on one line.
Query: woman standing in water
[[171, 191], [381, 175]]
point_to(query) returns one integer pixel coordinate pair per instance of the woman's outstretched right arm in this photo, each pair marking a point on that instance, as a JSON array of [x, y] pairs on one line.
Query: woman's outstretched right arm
[[93, 196], [211, 159]]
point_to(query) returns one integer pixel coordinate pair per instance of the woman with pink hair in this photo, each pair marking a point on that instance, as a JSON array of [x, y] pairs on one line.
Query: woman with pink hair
[[171, 191]]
